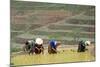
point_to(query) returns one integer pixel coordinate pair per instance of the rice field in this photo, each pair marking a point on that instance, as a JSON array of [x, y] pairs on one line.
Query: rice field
[[63, 56]]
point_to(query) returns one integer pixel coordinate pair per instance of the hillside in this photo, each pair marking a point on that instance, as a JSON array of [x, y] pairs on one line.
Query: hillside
[[64, 22]]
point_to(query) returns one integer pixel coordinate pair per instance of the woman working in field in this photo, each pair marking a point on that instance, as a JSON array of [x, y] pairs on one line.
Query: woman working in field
[[39, 46], [52, 47], [82, 46], [32, 46]]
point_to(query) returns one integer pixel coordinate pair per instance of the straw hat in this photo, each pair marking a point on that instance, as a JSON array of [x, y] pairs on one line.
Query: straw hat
[[39, 41]]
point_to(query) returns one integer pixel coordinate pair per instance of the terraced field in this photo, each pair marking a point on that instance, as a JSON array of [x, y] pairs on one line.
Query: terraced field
[[63, 22]]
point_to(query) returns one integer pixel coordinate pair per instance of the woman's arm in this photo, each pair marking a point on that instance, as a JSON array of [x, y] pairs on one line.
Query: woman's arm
[[54, 49]]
